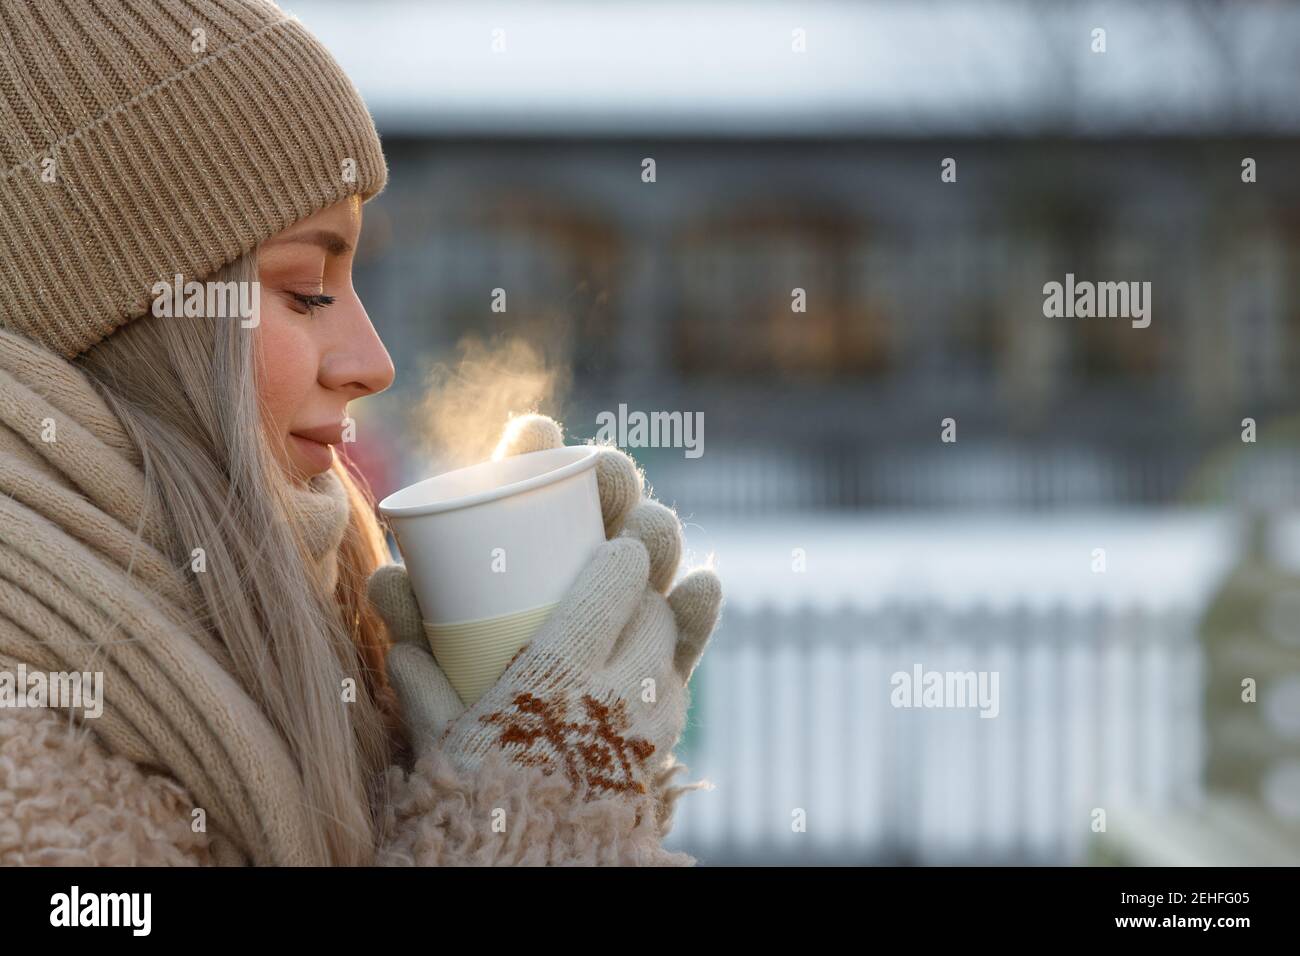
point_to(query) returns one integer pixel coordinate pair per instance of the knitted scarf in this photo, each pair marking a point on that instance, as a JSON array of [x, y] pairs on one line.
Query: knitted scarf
[[85, 586]]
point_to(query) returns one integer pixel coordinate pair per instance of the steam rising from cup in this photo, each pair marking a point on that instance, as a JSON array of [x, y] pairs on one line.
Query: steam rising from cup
[[468, 401]]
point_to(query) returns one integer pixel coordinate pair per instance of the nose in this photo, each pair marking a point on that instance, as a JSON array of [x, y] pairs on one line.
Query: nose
[[357, 362]]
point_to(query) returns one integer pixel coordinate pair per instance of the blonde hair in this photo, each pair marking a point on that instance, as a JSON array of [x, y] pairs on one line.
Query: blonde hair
[[185, 390]]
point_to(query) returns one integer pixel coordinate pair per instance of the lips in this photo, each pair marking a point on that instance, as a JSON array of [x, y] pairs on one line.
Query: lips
[[322, 434]]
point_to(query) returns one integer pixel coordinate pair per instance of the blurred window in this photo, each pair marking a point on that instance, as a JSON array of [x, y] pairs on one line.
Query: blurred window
[[737, 277]]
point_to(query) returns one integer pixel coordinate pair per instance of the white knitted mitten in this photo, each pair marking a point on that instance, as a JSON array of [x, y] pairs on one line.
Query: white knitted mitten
[[600, 693]]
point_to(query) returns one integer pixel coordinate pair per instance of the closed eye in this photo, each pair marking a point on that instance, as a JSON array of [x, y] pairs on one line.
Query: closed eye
[[312, 302]]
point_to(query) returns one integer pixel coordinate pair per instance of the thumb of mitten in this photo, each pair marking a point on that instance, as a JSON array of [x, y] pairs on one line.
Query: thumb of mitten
[[389, 590], [429, 702]]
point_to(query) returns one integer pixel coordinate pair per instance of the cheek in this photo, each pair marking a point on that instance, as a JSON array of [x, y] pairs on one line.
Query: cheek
[[286, 368]]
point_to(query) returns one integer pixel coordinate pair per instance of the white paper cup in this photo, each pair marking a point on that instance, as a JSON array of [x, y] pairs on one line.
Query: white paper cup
[[491, 549]]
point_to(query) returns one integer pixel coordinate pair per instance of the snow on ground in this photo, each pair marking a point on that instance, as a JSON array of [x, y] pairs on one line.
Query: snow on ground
[[1153, 558]]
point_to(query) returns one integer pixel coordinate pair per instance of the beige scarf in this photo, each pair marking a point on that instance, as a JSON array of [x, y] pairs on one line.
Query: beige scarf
[[85, 585]]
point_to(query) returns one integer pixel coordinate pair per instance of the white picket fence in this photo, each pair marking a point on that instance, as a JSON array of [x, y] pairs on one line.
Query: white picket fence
[[792, 715]]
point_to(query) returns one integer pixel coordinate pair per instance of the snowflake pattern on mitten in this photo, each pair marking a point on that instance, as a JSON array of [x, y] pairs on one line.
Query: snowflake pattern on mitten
[[595, 749]]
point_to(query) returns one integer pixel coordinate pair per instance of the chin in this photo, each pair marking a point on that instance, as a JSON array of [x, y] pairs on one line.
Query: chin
[[306, 470]]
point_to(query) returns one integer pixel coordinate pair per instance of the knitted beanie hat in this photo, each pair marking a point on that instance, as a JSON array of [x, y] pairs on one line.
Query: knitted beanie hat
[[141, 139]]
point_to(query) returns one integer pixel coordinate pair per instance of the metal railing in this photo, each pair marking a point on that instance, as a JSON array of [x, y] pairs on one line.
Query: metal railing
[[756, 481]]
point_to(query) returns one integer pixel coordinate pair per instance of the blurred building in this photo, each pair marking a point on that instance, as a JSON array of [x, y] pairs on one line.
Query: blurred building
[[820, 171], [924, 301]]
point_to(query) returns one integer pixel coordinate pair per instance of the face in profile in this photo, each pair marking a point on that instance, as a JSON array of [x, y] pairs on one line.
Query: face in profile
[[317, 349]]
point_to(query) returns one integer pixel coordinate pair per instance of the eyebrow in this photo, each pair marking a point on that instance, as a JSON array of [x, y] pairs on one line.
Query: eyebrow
[[331, 242]]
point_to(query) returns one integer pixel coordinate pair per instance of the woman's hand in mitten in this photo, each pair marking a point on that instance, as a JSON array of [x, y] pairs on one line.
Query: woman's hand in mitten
[[599, 695], [600, 692], [428, 701]]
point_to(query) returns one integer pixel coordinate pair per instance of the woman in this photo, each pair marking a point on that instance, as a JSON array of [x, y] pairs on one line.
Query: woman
[[174, 518]]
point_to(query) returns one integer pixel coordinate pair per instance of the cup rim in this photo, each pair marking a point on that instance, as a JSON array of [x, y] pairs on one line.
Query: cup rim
[[585, 458]]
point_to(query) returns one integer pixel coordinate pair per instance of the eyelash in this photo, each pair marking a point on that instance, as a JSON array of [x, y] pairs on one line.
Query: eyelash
[[313, 302]]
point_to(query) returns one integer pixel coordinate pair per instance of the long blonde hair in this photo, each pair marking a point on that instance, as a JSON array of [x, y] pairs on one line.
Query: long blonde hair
[[185, 390]]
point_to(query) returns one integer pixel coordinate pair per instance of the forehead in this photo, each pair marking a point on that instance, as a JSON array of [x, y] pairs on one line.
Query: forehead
[[343, 217], [334, 229]]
